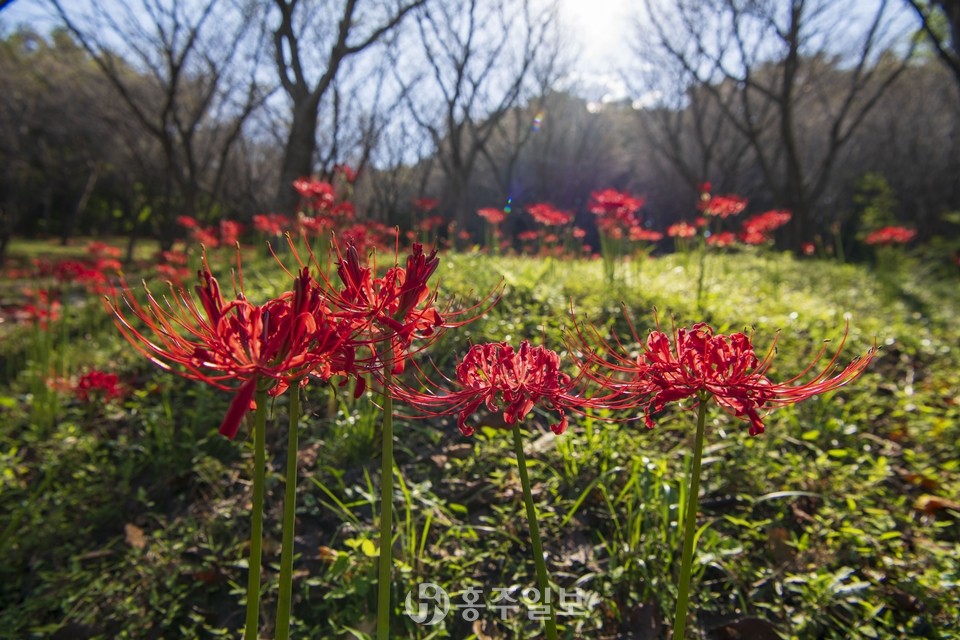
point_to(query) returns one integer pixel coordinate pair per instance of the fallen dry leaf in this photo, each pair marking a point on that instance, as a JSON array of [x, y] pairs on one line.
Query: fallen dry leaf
[[134, 536]]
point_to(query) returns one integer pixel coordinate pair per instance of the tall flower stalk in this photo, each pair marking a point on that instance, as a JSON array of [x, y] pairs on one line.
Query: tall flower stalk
[[498, 378], [254, 351], [285, 597], [256, 517], [392, 316], [697, 364]]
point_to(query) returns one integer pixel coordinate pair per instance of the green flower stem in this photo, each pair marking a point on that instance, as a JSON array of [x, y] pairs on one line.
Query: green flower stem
[[702, 276], [289, 519], [256, 516], [542, 579], [690, 524], [386, 509]]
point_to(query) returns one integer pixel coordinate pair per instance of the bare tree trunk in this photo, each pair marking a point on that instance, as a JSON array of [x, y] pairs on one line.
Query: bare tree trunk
[[68, 225], [297, 154]]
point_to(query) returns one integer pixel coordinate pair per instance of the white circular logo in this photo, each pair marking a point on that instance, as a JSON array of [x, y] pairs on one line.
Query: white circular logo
[[431, 606]]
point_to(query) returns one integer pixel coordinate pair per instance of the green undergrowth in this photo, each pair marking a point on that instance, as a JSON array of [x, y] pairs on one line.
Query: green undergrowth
[[129, 518]]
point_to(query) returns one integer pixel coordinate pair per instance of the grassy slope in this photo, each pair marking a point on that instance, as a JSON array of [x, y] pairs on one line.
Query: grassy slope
[[129, 520]]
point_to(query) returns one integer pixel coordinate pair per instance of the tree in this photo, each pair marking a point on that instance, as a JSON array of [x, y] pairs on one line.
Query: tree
[[940, 23], [479, 61], [57, 133], [354, 32], [768, 70], [187, 73]]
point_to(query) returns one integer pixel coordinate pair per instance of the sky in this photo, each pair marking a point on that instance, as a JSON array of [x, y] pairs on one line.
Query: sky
[[601, 30]]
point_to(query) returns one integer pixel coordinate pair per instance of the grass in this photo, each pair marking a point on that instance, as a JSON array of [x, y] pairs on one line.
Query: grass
[[130, 518]]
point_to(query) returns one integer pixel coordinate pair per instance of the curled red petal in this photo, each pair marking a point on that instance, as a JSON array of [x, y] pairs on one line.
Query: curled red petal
[[239, 406]]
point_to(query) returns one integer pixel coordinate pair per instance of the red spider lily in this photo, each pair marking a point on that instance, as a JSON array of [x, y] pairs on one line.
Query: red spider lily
[[700, 364], [495, 375], [767, 221], [103, 250], [722, 239], [425, 205], [272, 224], [346, 172], [616, 211], [399, 305], [579, 233], [639, 234], [218, 342], [429, 224], [209, 237], [98, 384], [492, 215], [611, 200], [188, 222], [752, 236], [42, 309], [723, 206], [891, 235], [681, 230], [756, 230], [548, 215], [230, 231], [316, 194]]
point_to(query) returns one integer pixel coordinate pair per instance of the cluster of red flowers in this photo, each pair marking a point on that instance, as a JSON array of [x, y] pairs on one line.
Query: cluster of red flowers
[[42, 307], [425, 205], [681, 230], [315, 329], [701, 364], [226, 233], [757, 229], [492, 215], [616, 212], [98, 385], [317, 195], [639, 234], [495, 373], [696, 364], [548, 215], [890, 236], [720, 206], [272, 225], [722, 239]]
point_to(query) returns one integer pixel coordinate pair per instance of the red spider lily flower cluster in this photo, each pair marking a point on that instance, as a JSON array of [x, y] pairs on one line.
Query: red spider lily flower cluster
[[722, 239], [890, 236], [681, 230], [98, 385], [548, 215], [494, 375], [345, 171], [425, 205], [317, 195], [492, 215], [615, 211], [699, 363], [757, 229], [222, 342], [722, 206], [639, 234], [42, 307], [226, 233], [272, 224], [101, 250], [398, 306]]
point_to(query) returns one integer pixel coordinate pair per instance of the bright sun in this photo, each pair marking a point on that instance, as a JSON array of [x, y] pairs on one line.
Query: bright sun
[[600, 27]]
